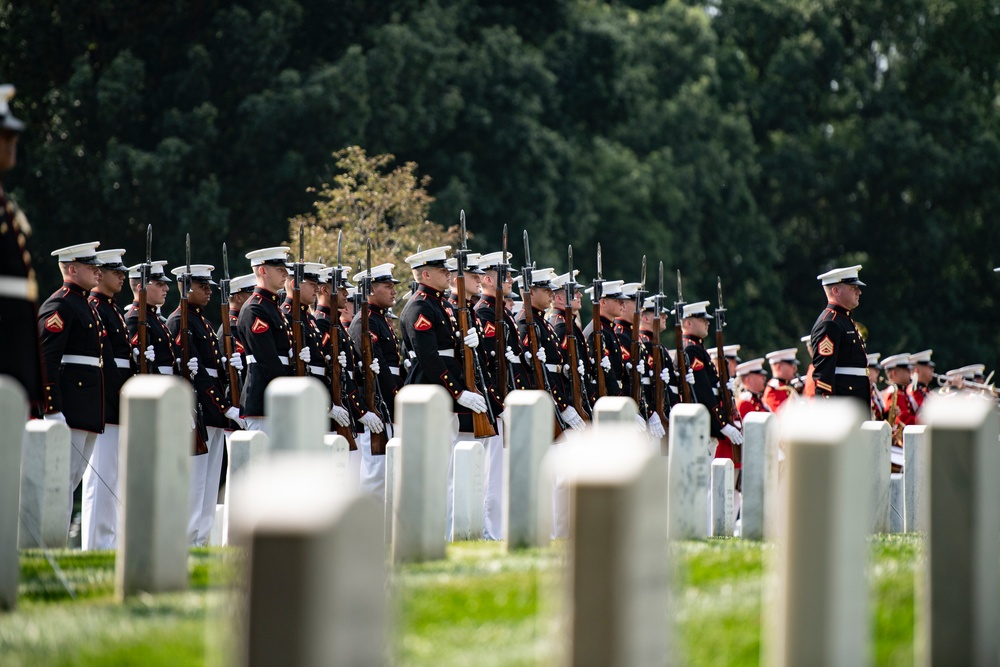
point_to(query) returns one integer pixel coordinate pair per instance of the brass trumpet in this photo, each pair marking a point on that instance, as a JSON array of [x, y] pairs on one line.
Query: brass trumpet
[[958, 382]]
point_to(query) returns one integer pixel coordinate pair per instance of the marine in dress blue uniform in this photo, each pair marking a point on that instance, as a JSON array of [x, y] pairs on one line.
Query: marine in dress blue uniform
[[100, 480], [72, 337], [265, 333], [840, 362], [18, 288], [214, 408]]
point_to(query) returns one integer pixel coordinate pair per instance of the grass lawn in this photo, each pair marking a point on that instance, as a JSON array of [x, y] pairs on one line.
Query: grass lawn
[[478, 607]]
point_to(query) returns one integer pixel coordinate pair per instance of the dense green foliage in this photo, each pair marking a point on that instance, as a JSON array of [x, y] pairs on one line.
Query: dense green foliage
[[760, 141], [479, 606]]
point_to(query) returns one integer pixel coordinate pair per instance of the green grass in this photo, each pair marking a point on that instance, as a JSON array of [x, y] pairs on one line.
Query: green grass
[[478, 607]]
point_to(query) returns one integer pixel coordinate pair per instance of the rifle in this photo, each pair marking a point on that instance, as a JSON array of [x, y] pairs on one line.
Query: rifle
[[679, 339], [728, 405], [640, 296], [300, 367], [598, 326], [574, 359], [541, 379], [378, 440], [659, 403], [337, 380], [482, 422], [200, 433], [498, 322], [144, 270], [227, 331]]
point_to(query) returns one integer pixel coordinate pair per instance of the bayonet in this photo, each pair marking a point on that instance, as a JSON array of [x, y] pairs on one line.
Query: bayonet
[[569, 253], [642, 280], [720, 311], [600, 272]]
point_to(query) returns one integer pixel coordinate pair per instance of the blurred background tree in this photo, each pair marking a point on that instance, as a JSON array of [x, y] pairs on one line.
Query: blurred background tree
[[368, 200]]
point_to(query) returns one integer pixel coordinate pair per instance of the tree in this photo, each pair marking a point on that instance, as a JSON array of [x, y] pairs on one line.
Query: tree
[[369, 201]]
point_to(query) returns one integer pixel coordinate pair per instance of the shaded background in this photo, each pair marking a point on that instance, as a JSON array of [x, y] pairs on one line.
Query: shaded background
[[763, 142]]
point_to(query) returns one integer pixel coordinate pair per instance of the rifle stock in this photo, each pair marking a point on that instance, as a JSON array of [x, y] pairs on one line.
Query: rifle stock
[[482, 428], [378, 440], [337, 380]]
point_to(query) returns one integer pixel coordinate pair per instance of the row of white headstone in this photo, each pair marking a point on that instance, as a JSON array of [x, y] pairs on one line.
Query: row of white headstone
[[316, 571]]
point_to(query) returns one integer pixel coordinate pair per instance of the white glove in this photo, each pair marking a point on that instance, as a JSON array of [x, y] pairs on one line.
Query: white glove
[[689, 378], [473, 401], [375, 367], [471, 339], [656, 426], [541, 354], [340, 415], [511, 357], [372, 421], [305, 355], [234, 413], [606, 363], [407, 363], [640, 423], [642, 367], [665, 376], [150, 354], [193, 366], [572, 419], [236, 361], [580, 368], [565, 370], [731, 384], [56, 417], [733, 434], [342, 359]]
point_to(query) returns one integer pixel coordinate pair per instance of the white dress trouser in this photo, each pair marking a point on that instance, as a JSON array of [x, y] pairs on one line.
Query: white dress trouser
[[101, 493], [203, 494], [371, 472], [82, 444], [493, 477]]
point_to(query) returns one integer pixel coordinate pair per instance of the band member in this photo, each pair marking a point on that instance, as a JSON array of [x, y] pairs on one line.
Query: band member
[[213, 407], [732, 359], [878, 403], [386, 367], [705, 386], [784, 368], [100, 480], [923, 377], [753, 379], [18, 287], [840, 362], [71, 338], [265, 333], [897, 370]]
